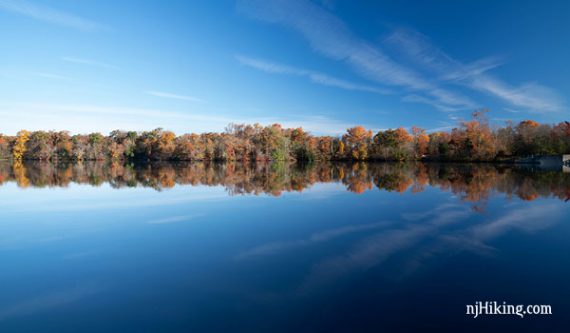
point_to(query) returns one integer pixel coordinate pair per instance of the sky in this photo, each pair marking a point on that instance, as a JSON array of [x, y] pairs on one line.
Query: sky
[[191, 66]]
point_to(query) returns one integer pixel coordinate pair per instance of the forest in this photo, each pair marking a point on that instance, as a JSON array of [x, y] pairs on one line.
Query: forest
[[472, 140]]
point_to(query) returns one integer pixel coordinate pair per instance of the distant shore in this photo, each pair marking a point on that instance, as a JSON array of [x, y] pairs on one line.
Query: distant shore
[[471, 141]]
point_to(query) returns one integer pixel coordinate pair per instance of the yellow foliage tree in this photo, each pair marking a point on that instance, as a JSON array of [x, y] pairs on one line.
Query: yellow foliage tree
[[20, 144], [341, 148]]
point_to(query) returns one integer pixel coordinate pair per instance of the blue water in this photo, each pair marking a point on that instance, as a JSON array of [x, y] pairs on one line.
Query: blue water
[[281, 249]]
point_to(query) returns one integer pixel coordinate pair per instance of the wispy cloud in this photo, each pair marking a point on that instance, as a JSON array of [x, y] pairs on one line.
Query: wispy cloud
[[531, 96], [173, 96], [175, 219], [379, 247], [414, 98], [323, 236], [88, 62], [329, 36], [524, 219], [50, 15], [406, 58], [527, 219], [48, 301], [315, 77], [420, 50], [270, 67], [50, 76], [439, 129]]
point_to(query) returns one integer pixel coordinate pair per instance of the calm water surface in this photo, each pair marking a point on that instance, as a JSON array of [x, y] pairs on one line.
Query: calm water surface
[[280, 248]]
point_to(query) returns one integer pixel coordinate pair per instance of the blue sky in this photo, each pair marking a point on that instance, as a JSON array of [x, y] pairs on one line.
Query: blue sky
[[326, 65]]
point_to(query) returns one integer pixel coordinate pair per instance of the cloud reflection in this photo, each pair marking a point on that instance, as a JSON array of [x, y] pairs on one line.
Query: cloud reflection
[[47, 301]]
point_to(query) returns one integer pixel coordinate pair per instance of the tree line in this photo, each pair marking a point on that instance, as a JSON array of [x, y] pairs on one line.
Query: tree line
[[473, 140]]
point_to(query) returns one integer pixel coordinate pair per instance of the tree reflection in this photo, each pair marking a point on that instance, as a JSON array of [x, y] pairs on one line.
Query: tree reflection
[[472, 183]]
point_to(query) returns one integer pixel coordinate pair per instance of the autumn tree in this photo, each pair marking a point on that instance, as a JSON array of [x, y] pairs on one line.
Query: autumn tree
[[62, 145], [96, 147], [302, 145], [270, 143], [4, 147], [122, 144], [356, 142], [145, 144], [19, 148], [325, 148], [527, 132], [189, 147], [80, 145], [164, 146], [39, 146], [421, 141], [438, 146], [478, 140], [505, 139], [560, 135], [340, 150], [393, 145]]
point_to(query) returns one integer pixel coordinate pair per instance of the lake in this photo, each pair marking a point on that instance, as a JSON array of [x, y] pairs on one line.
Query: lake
[[376, 247]]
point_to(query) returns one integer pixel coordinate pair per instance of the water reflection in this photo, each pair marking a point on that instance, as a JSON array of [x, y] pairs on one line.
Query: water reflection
[[421, 239], [470, 182]]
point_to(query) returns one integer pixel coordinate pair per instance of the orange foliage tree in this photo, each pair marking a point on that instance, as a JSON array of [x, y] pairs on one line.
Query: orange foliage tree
[[356, 140]]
